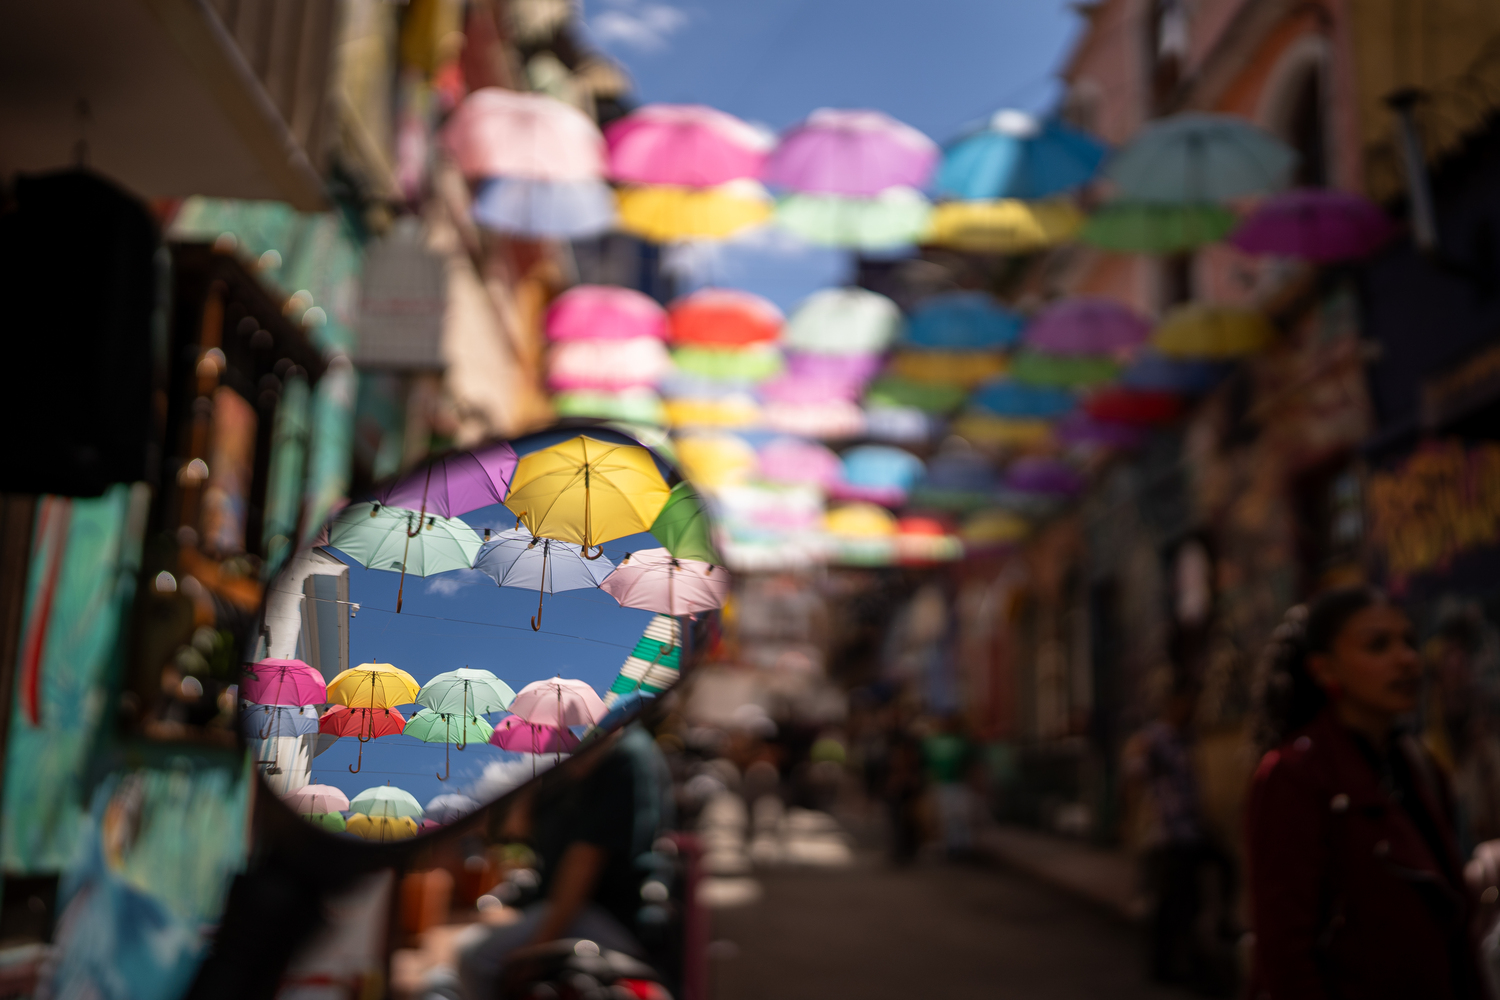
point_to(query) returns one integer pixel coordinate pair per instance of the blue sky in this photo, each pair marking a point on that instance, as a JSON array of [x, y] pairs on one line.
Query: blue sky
[[941, 65]]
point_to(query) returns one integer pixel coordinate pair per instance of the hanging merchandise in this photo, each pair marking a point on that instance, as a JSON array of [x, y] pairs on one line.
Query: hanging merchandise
[[855, 153], [969, 321], [605, 312], [607, 365], [1141, 227], [1086, 326], [1009, 226], [843, 321], [533, 209], [1316, 224], [508, 133], [1210, 332], [1193, 157], [721, 317], [895, 218], [1017, 156], [667, 214], [689, 145], [1062, 371]]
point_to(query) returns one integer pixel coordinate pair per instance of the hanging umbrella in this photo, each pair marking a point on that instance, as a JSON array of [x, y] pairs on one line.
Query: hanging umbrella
[[1086, 430], [622, 706], [850, 153], [801, 391], [1049, 476], [925, 540], [454, 484], [1007, 398], [825, 420], [1134, 407], [656, 580], [1144, 227], [519, 736], [450, 807], [684, 528], [1315, 224], [373, 685], [937, 367], [609, 365], [466, 691], [962, 321], [990, 528], [845, 369], [748, 364], [605, 312], [381, 828], [878, 474], [283, 682], [509, 133], [1210, 332], [653, 664], [956, 480], [1008, 226], [716, 460], [270, 722], [1194, 157], [768, 261], [539, 210], [863, 534], [1152, 371], [731, 411], [721, 317], [1086, 326], [843, 321], [517, 558], [446, 728], [330, 821], [558, 701], [384, 800], [587, 491], [632, 406], [312, 800], [897, 217], [987, 429], [364, 724], [686, 144], [1016, 156], [666, 214], [793, 460], [402, 540], [1062, 371], [892, 391]]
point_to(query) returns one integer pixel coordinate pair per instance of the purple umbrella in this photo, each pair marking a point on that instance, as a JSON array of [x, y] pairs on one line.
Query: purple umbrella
[[1082, 429], [1314, 224], [858, 153], [518, 735], [791, 389], [850, 368], [455, 484], [1086, 326], [1043, 475], [788, 460]]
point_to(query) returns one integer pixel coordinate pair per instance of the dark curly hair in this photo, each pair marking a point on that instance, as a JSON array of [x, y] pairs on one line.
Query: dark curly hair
[[1286, 696]]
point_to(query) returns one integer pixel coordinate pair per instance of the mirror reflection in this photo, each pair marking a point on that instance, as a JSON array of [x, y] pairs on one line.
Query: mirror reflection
[[472, 624]]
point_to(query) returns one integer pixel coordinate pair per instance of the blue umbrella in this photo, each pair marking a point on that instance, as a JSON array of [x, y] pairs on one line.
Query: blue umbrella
[[1194, 157], [1008, 398], [545, 209], [625, 705], [1018, 157], [878, 467], [515, 558], [269, 722], [1153, 372], [971, 321], [956, 481], [768, 261]]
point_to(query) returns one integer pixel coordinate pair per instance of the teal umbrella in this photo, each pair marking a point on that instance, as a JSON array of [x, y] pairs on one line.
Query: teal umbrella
[[384, 800], [1194, 157], [843, 321], [466, 691], [446, 728], [404, 541], [894, 218], [1143, 227]]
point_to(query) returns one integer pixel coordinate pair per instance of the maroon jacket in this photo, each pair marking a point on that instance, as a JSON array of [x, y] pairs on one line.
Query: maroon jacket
[[1348, 900]]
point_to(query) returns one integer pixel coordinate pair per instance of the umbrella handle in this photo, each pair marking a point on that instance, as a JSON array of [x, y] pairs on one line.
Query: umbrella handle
[[447, 767], [361, 762], [596, 555], [465, 731]]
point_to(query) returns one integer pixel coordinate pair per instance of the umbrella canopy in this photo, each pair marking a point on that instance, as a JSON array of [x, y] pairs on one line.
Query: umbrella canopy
[[962, 321], [652, 666], [826, 420], [1088, 431], [384, 800], [878, 473], [632, 406], [316, 799], [330, 821], [792, 460], [1016, 156], [939, 367], [1196, 157], [767, 261], [796, 390], [1048, 476], [520, 736], [1315, 224], [1200, 330], [860, 520], [608, 365], [959, 472], [557, 701], [843, 321], [450, 806], [1133, 407], [403, 540], [283, 682], [381, 828], [454, 484], [747, 364], [1007, 226], [510, 133], [684, 528], [1064, 371], [269, 722], [666, 214], [517, 558], [1007, 398], [850, 153], [687, 144], [373, 685], [587, 491], [534, 209], [605, 312], [447, 728], [721, 317], [623, 705], [364, 724], [1156, 372], [656, 580], [982, 428], [897, 217], [466, 691], [848, 369], [715, 460], [729, 411], [894, 391], [1144, 227], [1086, 326], [988, 528]]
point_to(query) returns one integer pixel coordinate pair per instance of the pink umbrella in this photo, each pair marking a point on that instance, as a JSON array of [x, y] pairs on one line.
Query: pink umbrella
[[315, 800], [656, 580], [859, 153], [520, 736], [1314, 224], [604, 312], [283, 682], [607, 364], [855, 369], [1086, 326], [684, 144], [826, 419], [795, 390], [789, 460], [558, 702], [507, 133], [1049, 476], [455, 484]]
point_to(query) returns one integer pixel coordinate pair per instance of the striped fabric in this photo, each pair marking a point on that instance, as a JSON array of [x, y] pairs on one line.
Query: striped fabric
[[653, 664]]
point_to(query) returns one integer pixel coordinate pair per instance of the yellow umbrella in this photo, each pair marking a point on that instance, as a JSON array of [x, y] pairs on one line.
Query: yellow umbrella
[[664, 214], [728, 411], [381, 827], [1011, 432], [860, 520], [1201, 330], [993, 527], [1007, 226], [373, 685], [715, 460], [587, 491], [965, 368]]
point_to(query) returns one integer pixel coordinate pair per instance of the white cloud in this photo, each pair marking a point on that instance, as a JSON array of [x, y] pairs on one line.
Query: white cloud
[[638, 24], [500, 776], [448, 584]]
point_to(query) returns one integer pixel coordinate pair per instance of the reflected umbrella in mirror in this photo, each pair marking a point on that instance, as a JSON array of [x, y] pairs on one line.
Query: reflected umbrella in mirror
[[283, 682], [381, 828], [364, 724], [466, 691], [446, 728], [315, 800], [385, 801], [534, 738], [683, 526], [517, 558], [559, 702], [372, 686], [652, 666], [455, 484], [587, 491], [656, 580], [401, 540], [269, 723], [449, 807]]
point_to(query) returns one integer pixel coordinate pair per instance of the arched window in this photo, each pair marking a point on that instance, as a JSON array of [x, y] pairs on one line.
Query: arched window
[[1294, 107]]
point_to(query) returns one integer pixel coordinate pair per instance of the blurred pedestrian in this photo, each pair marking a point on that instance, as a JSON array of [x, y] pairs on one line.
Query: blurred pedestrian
[[1357, 884], [949, 756]]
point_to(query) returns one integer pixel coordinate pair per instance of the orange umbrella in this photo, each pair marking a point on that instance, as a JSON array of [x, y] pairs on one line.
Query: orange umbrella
[[723, 317]]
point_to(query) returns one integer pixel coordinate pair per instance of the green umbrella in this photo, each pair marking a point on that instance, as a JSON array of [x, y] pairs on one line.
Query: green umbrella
[[895, 391], [446, 728], [897, 217], [328, 821], [384, 800], [1148, 227], [1061, 371], [466, 691], [752, 364], [404, 541], [683, 526]]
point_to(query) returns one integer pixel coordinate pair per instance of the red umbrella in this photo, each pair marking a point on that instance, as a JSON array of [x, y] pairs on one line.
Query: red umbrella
[[721, 317], [364, 724], [1128, 406]]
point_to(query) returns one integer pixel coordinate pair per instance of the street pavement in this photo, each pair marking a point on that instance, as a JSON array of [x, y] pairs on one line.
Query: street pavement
[[871, 932]]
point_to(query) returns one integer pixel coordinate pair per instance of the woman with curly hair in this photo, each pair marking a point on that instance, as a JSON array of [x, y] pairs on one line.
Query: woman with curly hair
[[1357, 886]]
